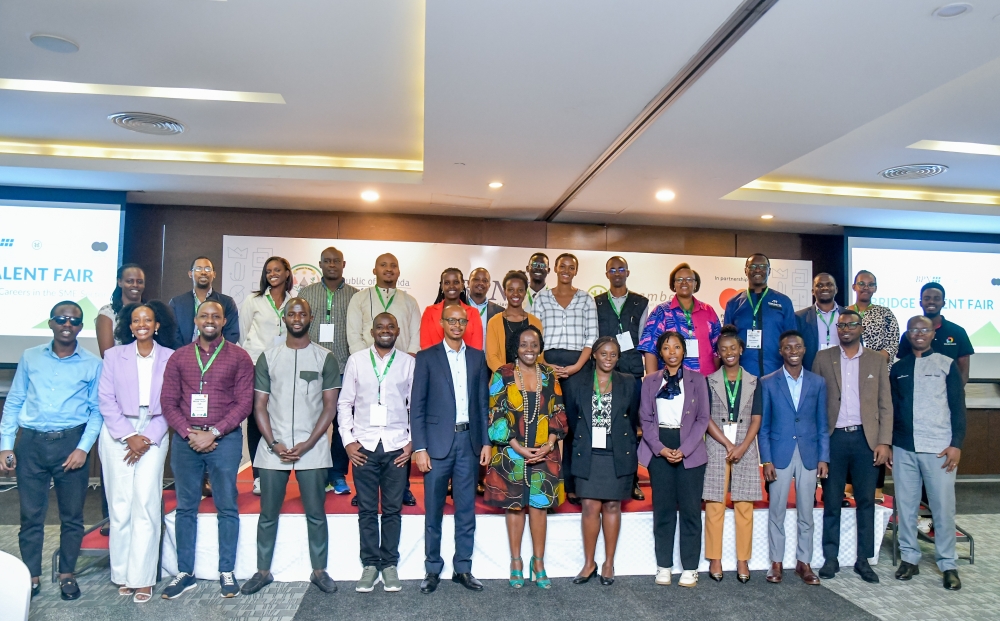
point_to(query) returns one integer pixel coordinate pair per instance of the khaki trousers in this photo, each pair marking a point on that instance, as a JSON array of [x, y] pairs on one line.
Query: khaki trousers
[[715, 515]]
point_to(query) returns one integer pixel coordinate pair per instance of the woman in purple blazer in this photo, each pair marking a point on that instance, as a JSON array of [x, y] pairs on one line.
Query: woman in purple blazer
[[674, 414], [133, 443]]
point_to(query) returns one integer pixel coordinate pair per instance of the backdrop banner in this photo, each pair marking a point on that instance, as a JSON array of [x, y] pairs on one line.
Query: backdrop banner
[[421, 265]]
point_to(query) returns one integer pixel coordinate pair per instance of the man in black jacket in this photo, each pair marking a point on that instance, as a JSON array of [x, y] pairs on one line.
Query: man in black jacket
[[185, 305]]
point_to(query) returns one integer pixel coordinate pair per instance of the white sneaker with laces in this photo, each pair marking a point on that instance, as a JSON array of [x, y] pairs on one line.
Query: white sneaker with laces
[[689, 578], [256, 486], [663, 576], [925, 524]]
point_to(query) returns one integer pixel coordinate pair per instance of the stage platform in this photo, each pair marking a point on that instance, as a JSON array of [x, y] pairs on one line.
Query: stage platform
[[564, 551]]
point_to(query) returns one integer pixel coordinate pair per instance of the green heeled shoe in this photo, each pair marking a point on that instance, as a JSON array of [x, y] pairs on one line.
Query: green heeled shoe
[[540, 578], [516, 575]]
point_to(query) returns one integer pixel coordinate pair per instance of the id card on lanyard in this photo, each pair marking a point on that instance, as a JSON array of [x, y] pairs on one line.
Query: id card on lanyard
[[599, 435], [326, 329], [755, 336], [199, 401], [624, 336], [378, 413], [732, 392]]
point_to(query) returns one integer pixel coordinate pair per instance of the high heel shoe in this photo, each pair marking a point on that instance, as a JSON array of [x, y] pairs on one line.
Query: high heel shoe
[[742, 577], [540, 578], [585, 579], [516, 575], [608, 581], [715, 576]]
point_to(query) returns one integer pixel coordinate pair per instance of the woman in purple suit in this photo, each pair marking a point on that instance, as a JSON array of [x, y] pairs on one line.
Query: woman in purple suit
[[133, 443]]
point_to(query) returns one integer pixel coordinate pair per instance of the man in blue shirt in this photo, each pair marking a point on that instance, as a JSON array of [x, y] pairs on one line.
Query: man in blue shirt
[[761, 315], [53, 401]]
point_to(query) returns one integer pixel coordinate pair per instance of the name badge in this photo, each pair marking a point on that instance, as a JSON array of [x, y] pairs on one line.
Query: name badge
[[326, 333], [199, 406], [625, 341], [730, 430], [691, 345], [378, 415], [754, 339], [598, 438], [826, 346]]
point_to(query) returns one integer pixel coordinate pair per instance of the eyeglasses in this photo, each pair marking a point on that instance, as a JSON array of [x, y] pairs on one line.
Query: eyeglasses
[[916, 331], [758, 266], [63, 319], [843, 325], [865, 285], [617, 270], [538, 265], [457, 322], [199, 270], [688, 279]]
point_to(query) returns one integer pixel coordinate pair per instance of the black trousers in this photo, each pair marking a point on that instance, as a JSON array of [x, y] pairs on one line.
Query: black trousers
[[253, 441], [379, 479], [564, 358], [850, 454], [341, 462], [676, 488], [39, 461]]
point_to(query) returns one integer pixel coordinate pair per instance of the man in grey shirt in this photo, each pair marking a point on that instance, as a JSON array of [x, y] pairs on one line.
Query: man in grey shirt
[[928, 400]]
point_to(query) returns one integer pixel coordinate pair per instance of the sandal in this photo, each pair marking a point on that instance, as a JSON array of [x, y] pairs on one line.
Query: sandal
[[70, 590], [516, 575], [142, 598], [540, 578], [124, 590]]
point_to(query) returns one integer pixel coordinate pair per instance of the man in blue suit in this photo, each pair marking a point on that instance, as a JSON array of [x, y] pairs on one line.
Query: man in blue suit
[[794, 444], [448, 405], [818, 323], [185, 305]]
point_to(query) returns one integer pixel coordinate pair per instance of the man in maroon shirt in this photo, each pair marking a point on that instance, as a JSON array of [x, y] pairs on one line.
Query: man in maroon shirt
[[207, 392]]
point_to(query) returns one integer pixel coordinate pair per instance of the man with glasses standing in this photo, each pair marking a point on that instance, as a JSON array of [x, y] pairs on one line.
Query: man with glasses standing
[[186, 305], [881, 330], [817, 323]]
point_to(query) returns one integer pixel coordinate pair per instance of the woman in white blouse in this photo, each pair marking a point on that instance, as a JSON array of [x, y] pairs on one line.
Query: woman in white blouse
[[133, 443], [262, 326], [129, 287]]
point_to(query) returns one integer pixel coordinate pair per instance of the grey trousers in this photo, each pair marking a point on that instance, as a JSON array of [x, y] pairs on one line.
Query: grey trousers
[[312, 486], [805, 500], [909, 470]]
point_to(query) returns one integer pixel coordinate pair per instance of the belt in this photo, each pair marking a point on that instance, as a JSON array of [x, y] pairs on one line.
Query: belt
[[669, 427], [850, 429], [462, 427], [52, 435]]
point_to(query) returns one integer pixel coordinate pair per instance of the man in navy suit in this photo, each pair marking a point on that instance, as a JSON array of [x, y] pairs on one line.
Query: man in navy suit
[[794, 444], [185, 305], [818, 323], [448, 405]]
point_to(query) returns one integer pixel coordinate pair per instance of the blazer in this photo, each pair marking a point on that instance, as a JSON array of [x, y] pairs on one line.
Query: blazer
[[432, 401], [806, 320], [118, 391], [624, 420], [782, 427], [694, 421], [183, 307], [744, 477], [873, 389]]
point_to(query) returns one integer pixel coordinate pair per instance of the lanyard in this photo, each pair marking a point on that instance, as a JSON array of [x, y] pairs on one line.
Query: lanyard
[[828, 324], [205, 367], [618, 310], [482, 311], [381, 376], [329, 302], [756, 307], [732, 389], [858, 311], [279, 312], [687, 313], [597, 385], [385, 307]]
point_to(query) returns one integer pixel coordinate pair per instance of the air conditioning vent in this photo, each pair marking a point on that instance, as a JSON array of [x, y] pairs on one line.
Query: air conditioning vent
[[913, 171], [146, 123]]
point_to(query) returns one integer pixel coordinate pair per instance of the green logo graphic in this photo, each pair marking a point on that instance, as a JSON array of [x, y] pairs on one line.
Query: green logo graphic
[[89, 315], [987, 336], [597, 290]]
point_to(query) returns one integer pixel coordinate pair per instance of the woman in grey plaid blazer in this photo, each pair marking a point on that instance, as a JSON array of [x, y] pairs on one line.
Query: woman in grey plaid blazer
[[733, 460]]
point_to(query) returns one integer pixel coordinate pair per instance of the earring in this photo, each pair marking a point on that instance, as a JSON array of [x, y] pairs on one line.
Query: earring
[[155, 332]]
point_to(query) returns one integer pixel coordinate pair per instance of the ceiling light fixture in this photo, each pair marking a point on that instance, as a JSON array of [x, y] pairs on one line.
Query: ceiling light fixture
[[54, 43], [369, 196], [950, 11], [665, 196], [972, 148], [146, 123], [80, 88], [206, 157], [913, 171], [767, 216], [496, 185], [870, 192]]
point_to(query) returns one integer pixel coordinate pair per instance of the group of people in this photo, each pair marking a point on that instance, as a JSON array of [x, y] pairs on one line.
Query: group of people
[[556, 396]]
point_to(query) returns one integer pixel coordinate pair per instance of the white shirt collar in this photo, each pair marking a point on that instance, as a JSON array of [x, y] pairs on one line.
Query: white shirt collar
[[788, 375], [460, 350], [152, 353]]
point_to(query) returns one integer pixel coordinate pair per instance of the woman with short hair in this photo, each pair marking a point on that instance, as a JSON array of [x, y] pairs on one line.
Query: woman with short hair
[[503, 325]]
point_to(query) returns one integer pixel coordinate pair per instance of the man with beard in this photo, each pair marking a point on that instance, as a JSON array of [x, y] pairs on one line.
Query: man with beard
[[818, 322], [950, 338], [186, 305], [537, 270], [479, 289], [295, 400]]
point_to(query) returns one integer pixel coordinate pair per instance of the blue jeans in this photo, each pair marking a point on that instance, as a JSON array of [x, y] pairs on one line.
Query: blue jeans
[[909, 469], [189, 467]]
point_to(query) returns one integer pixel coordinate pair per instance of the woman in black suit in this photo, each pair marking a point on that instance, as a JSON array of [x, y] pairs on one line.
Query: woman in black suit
[[606, 413]]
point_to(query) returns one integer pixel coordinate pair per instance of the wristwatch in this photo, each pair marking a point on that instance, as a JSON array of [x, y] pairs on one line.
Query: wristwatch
[[270, 447], [215, 432]]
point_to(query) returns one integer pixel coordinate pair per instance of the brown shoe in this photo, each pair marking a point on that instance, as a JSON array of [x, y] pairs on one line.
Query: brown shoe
[[774, 574], [804, 571]]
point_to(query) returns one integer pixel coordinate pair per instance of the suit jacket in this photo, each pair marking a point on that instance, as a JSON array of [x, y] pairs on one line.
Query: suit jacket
[[624, 420], [873, 389], [183, 307], [783, 427], [806, 319], [432, 401], [118, 391], [694, 420]]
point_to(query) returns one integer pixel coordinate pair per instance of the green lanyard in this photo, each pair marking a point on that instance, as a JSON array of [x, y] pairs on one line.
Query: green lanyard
[[597, 385], [205, 367], [733, 389], [828, 324], [756, 307], [482, 311], [329, 301], [381, 376], [858, 311], [687, 314], [618, 310], [279, 312], [385, 307]]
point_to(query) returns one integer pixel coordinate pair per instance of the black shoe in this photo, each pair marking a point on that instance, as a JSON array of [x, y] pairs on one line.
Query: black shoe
[[607, 581], [863, 569], [323, 582], [469, 581], [637, 493], [408, 499], [256, 583], [354, 501], [585, 579], [951, 581], [36, 588], [105, 531], [906, 571], [430, 583], [574, 500], [829, 569], [70, 590]]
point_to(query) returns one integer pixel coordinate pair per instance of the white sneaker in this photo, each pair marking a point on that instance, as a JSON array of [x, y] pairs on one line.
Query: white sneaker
[[925, 524], [256, 486], [663, 576], [689, 578]]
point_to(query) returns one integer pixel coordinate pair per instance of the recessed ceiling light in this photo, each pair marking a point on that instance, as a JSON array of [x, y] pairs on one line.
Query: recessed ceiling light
[[954, 9], [767, 216], [54, 43], [79, 88], [665, 195], [972, 148], [874, 192], [496, 184], [369, 195]]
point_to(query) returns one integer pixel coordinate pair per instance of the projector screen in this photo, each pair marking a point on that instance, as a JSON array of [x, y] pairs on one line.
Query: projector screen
[[969, 273], [51, 252]]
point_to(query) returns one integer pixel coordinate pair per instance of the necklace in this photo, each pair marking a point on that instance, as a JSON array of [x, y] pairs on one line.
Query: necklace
[[524, 394], [511, 326]]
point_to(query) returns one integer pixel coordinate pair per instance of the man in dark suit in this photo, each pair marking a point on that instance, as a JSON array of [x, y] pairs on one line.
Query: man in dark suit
[[448, 405], [859, 412], [185, 305], [817, 323], [794, 444]]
